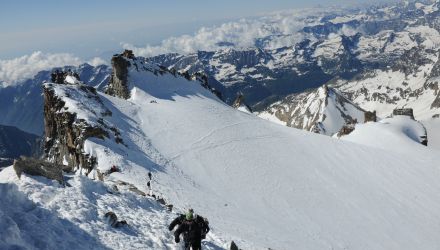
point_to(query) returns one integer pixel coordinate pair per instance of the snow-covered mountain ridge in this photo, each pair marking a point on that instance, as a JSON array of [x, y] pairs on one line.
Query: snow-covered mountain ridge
[[410, 82], [249, 177]]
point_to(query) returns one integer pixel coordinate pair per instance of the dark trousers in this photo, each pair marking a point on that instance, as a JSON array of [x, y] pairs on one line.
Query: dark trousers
[[193, 245]]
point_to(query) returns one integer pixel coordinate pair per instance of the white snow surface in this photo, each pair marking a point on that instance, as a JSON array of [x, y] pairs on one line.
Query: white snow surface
[[260, 184], [399, 133]]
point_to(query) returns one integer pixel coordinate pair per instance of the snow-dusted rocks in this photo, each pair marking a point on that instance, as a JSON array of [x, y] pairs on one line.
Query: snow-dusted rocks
[[72, 114], [323, 111], [38, 167]]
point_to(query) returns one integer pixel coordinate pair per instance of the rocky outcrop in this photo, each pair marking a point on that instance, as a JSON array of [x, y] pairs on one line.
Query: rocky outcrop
[[404, 111], [60, 76], [240, 103], [112, 219], [118, 85], [233, 246], [65, 134], [370, 116], [346, 130], [37, 167], [22, 105]]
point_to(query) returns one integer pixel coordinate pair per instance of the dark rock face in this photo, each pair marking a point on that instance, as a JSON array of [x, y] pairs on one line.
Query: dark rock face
[[346, 130], [112, 219], [38, 167], [239, 101], [60, 76], [233, 246], [370, 116], [406, 112], [118, 85], [65, 134]]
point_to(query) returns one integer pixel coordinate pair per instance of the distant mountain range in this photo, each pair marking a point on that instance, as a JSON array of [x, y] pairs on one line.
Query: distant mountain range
[[15, 143], [378, 58]]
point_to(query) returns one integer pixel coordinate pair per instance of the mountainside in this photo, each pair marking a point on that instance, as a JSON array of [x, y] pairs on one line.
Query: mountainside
[[22, 105], [412, 83], [342, 45], [15, 143], [323, 111], [249, 177]]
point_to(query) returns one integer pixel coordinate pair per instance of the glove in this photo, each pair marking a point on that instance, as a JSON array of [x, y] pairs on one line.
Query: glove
[[177, 239]]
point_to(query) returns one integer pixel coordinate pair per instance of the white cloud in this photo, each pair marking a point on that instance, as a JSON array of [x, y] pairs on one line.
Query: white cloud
[[348, 30], [284, 26], [97, 61], [18, 69]]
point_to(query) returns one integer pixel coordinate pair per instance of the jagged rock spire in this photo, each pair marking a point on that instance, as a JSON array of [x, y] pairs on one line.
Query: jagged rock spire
[[118, 85]]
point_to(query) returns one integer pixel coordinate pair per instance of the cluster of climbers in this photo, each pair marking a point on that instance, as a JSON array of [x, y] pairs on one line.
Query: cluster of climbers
[[193, 227], [59, 76]]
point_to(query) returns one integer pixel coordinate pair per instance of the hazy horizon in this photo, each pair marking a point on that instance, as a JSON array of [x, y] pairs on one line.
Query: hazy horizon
[[89, 29]]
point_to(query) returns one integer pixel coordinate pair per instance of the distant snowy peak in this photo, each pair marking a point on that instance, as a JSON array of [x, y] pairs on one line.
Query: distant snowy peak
[[324, 110]]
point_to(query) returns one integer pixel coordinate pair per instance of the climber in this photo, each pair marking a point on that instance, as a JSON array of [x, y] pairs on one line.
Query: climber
[[193, 227]]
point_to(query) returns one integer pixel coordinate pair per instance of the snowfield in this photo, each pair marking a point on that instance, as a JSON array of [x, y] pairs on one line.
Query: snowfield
[[260, 184], [399, 133]]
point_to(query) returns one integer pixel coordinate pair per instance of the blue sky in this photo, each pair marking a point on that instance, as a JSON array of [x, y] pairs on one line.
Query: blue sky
[[90, 28]]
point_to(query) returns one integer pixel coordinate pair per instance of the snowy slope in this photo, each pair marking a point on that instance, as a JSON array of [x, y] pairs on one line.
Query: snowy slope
[[399, 133], [261, 184], [41, 214], [433, 128]]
